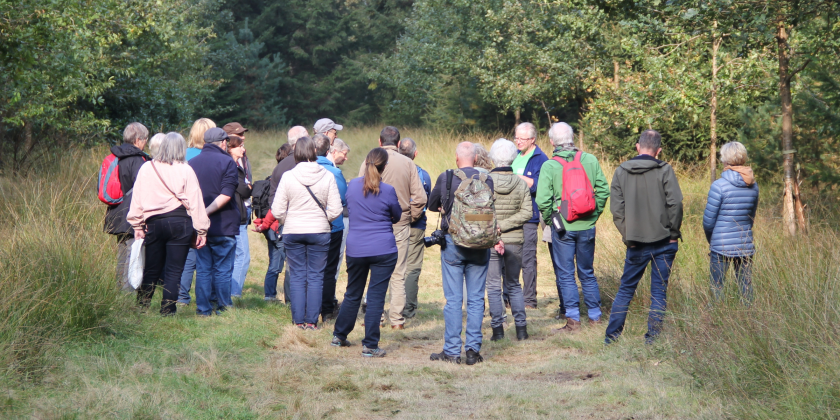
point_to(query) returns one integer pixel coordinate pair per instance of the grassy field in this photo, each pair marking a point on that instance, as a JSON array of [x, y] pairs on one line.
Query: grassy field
[[74, 347]]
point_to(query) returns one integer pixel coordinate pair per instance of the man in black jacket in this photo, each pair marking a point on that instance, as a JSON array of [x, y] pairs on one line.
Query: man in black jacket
[[131, 158]]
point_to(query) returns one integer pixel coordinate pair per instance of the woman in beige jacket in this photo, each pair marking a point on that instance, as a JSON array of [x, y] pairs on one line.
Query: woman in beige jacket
[[167, 210], [307, 200]]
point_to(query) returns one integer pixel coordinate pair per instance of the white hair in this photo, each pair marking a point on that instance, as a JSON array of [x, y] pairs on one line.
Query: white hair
[[173, 148], [296, 133], [154, 143], [466, 150], [339, 145], [135, 131], [503, 152], [561, 133], [733, 154], [528, 129]]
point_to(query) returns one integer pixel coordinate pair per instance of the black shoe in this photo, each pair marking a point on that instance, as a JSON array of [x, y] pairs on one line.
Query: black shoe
[[327, 317], [338, 342], [364, 307], [473, 357], [499, 333], [521, 333], [443, 357]]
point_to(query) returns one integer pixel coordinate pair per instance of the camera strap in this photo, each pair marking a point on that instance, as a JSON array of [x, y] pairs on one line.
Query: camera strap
[[448, 189]]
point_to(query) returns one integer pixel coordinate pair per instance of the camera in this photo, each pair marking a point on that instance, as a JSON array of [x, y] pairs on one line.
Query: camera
[[437, 238]]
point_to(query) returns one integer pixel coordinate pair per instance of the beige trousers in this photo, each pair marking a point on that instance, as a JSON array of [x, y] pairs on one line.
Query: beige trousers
[[397, 284]]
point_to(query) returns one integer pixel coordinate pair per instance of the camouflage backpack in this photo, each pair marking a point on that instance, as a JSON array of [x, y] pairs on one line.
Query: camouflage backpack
[[472, 222]]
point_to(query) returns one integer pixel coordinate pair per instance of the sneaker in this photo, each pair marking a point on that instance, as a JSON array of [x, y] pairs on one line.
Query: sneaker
[[270, 299], [443, 357], [338, 342], [473, 357], [377, 352], [312, 327], [301, 326], [327, 317]]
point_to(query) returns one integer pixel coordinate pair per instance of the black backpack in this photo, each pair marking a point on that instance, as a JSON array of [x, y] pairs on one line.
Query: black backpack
[[259, 197]]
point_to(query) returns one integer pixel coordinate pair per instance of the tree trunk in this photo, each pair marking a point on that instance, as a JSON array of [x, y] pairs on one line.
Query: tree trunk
[[615, 74], [790, 197], [580, 139], [713, 107], [516, 113]]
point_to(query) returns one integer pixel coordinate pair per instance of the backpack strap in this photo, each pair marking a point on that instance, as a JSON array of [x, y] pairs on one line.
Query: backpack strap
[[482, 177], [562, 162], [460, 174], [578, 156]]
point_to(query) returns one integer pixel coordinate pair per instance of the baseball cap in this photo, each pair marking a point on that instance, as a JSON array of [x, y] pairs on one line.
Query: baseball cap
[[234, 128], [325, 124], [214, 135]]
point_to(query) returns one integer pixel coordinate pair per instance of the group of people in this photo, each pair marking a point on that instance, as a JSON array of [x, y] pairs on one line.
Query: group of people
[[192, 207]]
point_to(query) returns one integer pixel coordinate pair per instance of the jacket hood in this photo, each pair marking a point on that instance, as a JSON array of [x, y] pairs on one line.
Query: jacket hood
[[739, 176], [322, 160], [125, 150], [308, 173], [504, 181], [641, 164]]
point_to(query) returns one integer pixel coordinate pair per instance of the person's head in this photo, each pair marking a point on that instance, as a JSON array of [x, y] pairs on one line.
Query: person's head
[[199, 127], [235, 128], [328, 128], [389, 136], [322, 144], [154, 143], [482, 158], [733, 154], [305, 150], [284, 151], [465, 155], [236, 147], [650, 143], [502, 153], [408, 148], [216, 136], [296, 133], [172, 149], [339, 151], [374, 165], [561, 135], [525, 136], [136, 134]]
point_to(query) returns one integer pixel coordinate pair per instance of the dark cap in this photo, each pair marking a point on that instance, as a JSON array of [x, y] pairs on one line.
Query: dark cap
[[234, 128], [215, 135]]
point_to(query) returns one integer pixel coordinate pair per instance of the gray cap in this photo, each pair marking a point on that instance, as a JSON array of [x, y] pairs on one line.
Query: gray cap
[[325, 124], [214, 135]]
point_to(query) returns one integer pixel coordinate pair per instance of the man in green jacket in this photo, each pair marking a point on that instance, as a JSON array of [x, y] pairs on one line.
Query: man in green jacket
[[647, 210], [577, 245]]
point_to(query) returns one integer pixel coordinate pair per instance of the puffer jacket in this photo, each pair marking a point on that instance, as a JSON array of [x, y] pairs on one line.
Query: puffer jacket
[[513, 204], [730, 213], [294, 207]]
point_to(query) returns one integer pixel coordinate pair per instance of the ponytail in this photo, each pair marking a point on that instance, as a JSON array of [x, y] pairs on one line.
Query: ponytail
[[374, 165]]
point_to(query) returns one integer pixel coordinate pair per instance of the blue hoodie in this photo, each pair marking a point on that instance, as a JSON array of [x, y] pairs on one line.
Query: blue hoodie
[[729, 216], [338, 223]]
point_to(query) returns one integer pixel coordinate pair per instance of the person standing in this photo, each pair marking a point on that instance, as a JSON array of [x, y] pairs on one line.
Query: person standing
[[374, 208], [242, 198], [728, 222], [527, 165], [329, 304], [646, 203], [416, 247], [131, 158], [217, 174], [328, 128], [167, 209], [338, 152], [400, 173], [307, 200], [513, 210], [576, 247], [459, 266]]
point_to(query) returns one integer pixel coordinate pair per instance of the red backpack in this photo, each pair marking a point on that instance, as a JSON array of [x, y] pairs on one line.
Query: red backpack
[[110, 190], [578, 197]]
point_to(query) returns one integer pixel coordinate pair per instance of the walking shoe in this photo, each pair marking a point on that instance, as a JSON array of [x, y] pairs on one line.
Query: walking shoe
[[338, 342], [530, 306], [570, 327], [271, 299], [443, 357], [522, 333], [398, 327], [473, 357], [301, 326], [377, 352], [498, 333], [327, 317], [595, 322], [312, 327]]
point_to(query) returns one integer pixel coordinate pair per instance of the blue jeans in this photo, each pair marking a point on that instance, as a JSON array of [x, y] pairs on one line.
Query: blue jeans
[[661, 256], [187, 278], [213, 274], [580, 246], [241, 262], [276, 260], [719, 265], [306, 255], [380, 267], [462, 266]]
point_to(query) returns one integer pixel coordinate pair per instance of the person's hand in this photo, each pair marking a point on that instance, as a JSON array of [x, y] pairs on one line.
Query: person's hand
[[500, 248], [673, 241], [139, 234], [200, 241]]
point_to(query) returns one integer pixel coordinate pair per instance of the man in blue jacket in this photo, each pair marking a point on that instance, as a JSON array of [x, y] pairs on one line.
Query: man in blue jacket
[[218, 178], [329, 304], [527, 165]]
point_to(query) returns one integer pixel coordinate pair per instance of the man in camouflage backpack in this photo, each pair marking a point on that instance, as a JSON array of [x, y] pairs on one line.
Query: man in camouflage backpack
[[464, 198]]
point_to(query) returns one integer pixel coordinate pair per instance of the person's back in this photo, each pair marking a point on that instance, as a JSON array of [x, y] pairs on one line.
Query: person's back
[[371, 219], [217, 175], [513, 204], [729, 217]]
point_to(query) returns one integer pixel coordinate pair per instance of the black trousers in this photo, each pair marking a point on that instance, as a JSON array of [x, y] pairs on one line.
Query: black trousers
[[328, 300], [380, 268], [167, 243]]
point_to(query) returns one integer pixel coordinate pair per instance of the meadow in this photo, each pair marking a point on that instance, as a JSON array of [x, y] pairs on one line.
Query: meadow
[[73, 346]]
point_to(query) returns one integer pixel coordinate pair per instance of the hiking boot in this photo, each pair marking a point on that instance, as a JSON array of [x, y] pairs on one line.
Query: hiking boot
[[498, 333], [530, 306], [595, 322], [398, 327], [339, 342], [522, 333], [376, 352], [473, 357], [327, 317], [443, 357], [570, 327]]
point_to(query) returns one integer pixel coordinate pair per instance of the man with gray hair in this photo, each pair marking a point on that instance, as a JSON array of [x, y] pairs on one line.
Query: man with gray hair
[[328, 128], [131, 158], [329, 304], [416, 247], [338, 152]]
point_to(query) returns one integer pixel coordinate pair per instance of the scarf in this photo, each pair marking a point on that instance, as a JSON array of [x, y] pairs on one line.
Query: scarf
[[745, 171]]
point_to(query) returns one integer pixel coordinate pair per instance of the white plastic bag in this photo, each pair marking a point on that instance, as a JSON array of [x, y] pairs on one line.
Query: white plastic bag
[[136, 263]]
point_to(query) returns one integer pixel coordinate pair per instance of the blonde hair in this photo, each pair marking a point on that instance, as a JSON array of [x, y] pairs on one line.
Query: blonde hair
[[733, 154], [197, 132]]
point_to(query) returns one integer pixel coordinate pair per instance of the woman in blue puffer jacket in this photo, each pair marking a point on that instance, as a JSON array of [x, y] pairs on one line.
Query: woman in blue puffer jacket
[[728, 221]]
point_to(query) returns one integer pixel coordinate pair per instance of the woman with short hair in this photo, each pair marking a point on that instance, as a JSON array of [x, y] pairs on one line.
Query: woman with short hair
[[307, 200], [371, 248], [728, 221], [167, 209], [154, 143]]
